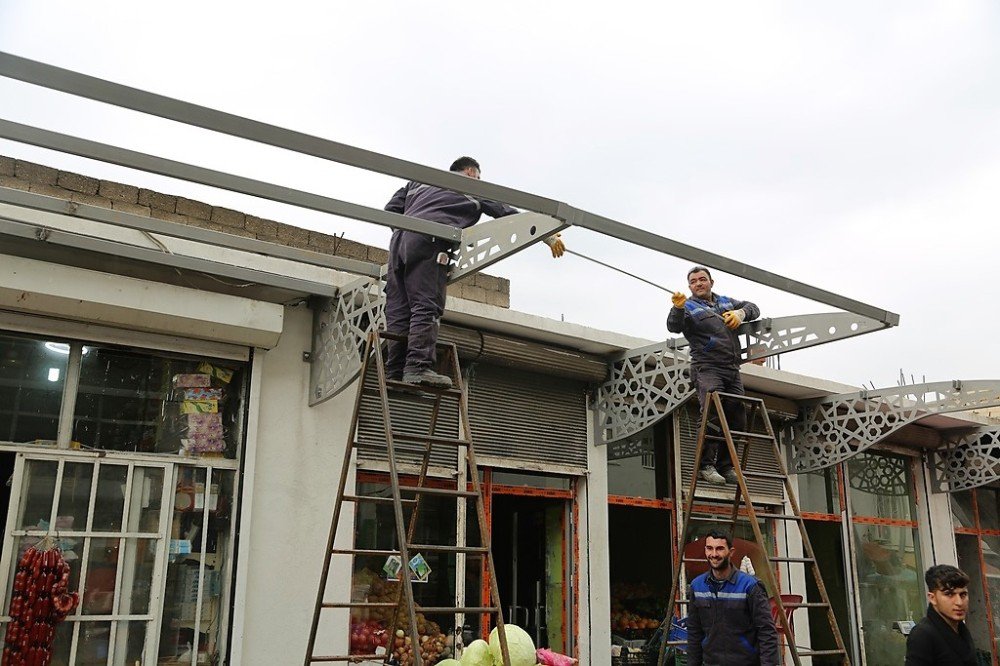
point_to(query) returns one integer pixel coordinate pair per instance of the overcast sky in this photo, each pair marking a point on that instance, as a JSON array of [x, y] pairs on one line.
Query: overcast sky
[[854, 146]]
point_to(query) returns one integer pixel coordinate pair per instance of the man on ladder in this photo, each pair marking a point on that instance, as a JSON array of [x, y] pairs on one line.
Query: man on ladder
[[709, 322], [418, 272]]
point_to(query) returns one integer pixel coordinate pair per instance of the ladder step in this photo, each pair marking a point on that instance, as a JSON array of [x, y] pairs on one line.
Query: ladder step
[[741, 398], [791, 559], [811, 604], [349, 657], [752, 435], [447, 610], [431, 439], [440, 492], [438, 548], [818, 653], [363, 551], [374, 500], [400, 337], [359, 604], [779, 516], [420, 388], [765, 475]]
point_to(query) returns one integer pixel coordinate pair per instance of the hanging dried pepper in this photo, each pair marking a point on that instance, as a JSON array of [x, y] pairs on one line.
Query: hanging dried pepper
[[40, 600]]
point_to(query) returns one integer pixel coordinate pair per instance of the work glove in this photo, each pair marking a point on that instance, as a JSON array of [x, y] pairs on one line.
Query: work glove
[[678, 299], [733, 318], [556, 245]]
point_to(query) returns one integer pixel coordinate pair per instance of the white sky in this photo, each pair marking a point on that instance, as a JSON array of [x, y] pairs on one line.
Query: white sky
[[853, 146]]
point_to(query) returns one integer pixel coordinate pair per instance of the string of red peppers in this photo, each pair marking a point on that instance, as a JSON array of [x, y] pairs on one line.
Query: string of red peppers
[[40, 601]]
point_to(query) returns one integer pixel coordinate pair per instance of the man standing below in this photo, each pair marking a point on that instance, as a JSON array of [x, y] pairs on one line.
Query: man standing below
[[709, 323], [418, 272], [729, 620], [941, 638]]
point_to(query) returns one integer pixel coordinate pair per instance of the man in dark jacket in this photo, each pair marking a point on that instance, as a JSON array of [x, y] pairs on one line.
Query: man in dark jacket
[[729, 621], [941, 638], [709, 322], [418, 272]]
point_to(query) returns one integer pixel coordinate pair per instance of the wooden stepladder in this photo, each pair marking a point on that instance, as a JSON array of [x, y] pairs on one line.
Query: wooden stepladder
[[407, 498], [764, 436]]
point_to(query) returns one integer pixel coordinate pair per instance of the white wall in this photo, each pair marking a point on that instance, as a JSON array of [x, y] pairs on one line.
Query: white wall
[[298, 462], [594, 627]]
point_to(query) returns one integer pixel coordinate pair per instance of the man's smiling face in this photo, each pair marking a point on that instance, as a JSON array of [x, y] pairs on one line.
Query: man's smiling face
[[700, 285]]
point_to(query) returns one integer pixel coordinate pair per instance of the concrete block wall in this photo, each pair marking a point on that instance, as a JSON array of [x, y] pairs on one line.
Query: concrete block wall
[[48, 181]]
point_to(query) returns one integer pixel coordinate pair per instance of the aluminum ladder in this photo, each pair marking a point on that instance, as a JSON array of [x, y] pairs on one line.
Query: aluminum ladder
[[374, 383], [765, 437]]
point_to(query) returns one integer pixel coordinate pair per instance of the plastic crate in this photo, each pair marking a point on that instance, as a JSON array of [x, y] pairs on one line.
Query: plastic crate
[[630, 658]]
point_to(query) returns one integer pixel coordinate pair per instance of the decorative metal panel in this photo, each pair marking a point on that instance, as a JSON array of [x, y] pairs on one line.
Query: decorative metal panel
[[971, 461], [489, 242], [842, 426], [650, 382], [340, 327]]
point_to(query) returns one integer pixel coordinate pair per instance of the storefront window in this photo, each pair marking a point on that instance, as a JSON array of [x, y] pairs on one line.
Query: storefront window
[[962, 510], [32, 376], [881, 485], [641, 569], [818, 491], [744, 546], [637, 465], [129, 401], [977, 541], [977, 618]]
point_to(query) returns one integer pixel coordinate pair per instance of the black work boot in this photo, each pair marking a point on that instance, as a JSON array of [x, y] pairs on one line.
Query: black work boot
[[427, 377]]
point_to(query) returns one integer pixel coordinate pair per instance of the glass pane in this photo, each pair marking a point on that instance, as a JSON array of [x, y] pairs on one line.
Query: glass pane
[[991, 556], [130, 638], [74, 496], [32, 374], [195, 542], [36, 494], [962, 509], [131, 401], [92, 649], [145, 504], [987, 500], [531, 480], [102, 569], [881, 486], [890, 576], [632, 466], [977, 619], [62, 643], [641, 569], [818, 491], [110, 502], [138, 561]]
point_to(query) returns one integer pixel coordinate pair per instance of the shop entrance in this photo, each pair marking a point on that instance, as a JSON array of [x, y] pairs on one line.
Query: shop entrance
[[529, 551]]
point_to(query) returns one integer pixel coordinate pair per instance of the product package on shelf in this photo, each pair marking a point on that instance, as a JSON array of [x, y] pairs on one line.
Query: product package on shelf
[[195, 411]]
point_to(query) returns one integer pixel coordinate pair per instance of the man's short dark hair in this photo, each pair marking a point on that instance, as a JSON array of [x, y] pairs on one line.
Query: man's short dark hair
[[719, 534], [463, 163], [700, 269], [945, 577]]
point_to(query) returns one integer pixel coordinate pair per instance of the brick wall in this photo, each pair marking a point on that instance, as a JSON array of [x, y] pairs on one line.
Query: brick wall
[[22, 175]]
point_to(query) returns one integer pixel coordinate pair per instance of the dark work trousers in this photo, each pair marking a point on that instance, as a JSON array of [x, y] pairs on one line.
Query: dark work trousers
[[414, 301], [708, 378]]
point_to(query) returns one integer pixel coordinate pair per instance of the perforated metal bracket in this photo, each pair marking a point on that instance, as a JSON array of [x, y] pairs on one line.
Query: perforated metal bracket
[[489, 242], [340, 327], [648, 383], [841, 426], [970, 461]]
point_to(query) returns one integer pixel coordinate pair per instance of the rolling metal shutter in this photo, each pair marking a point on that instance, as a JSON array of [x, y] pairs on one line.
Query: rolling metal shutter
[[528, 417], [766, 491]]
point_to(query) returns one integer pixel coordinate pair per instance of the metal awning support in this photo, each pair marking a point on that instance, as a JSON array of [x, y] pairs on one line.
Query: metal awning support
[[650, 382], [841, 426], [970, 461]]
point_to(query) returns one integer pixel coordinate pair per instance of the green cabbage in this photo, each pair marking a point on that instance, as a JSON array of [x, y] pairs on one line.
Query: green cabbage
[[449, 662], [519, 645], [477, 653]]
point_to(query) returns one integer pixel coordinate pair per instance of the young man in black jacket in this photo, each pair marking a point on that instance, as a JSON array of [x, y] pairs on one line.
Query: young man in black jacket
[[941, 638]]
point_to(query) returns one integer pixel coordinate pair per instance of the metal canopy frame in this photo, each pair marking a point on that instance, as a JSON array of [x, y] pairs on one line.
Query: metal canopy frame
[[89, 87]]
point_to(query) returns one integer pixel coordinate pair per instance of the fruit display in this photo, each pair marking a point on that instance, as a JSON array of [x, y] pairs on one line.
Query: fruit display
[[636, 609]]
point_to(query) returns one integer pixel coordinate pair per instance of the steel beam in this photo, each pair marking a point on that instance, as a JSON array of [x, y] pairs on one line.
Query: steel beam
[[838, 427], [150, 163]]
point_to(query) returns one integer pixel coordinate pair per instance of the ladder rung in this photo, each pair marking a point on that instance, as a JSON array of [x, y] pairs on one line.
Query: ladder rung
[[359, 604], [438, 548], [751, 435], [741, 398], [765, 475], [457, 609], [349, 657], [709, 519], [818, 653], [374, 500], [791, 559], [421, 388], [694, 560], [779, 516], [440, 492], [387, 335], [677, 642], [432, 439], [363, 551], [811, 604]]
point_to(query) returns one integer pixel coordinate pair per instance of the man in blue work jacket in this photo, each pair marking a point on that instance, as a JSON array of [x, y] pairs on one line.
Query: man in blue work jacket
[[729, 619], [709, 322], [418, 272]]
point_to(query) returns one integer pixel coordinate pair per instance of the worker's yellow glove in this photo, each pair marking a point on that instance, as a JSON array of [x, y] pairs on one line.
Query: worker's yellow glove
[[678, 299], [733, 318], [556, 245]]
